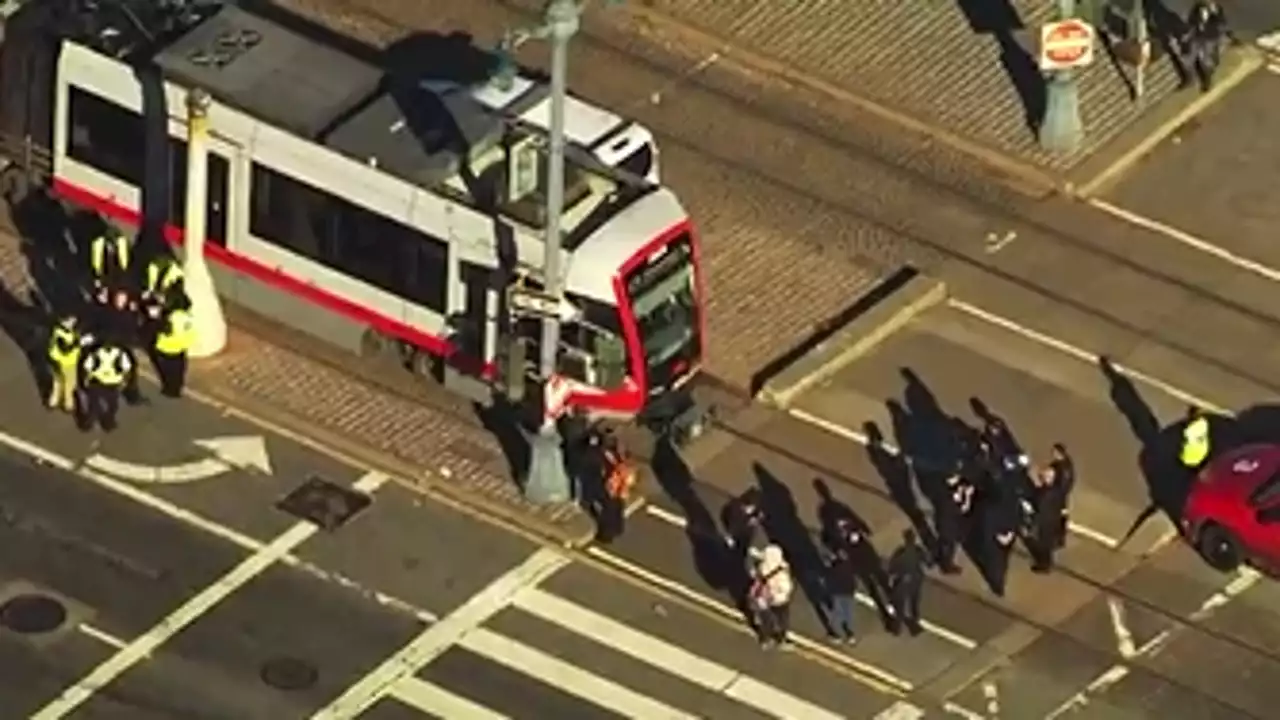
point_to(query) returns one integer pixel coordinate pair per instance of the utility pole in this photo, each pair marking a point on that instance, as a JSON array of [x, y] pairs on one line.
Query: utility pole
[[1062, 130], [206, 310], [547, 481]]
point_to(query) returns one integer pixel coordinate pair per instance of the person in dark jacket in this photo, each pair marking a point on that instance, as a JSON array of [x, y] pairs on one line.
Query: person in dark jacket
[[906, 581], [864, 561], [1207, 30], [1002, 520], [842, 588]]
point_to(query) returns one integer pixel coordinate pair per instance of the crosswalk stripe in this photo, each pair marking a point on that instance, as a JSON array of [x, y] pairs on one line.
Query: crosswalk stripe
[[667, 657], [434, 699], [569, 678]]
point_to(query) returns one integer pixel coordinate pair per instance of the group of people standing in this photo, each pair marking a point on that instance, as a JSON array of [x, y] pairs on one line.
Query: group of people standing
[[90, 347], [992, 498]]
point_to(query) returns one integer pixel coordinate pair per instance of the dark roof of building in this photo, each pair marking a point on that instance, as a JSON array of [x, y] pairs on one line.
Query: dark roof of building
[[270, 72]]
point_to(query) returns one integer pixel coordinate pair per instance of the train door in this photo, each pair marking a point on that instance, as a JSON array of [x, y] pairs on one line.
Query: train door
[[217, 204]]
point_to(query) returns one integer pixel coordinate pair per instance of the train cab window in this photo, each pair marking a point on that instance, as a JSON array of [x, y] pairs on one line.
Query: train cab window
[[107, 137], [290, 214]]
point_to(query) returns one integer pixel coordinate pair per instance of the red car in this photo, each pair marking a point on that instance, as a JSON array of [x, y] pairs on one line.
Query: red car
[[1232, 515]]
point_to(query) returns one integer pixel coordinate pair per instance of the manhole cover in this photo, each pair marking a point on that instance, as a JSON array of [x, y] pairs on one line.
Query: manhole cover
[[324, 503], [32, 614], [289, 674]]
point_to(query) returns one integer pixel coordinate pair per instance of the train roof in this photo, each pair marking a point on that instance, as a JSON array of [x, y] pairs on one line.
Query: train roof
[[269, 71]]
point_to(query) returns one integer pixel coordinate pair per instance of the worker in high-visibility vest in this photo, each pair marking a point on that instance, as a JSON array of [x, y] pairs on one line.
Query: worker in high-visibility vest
[[162, 285], [619, 480], [107, 370], [65, 344], [1195, 440], [109, 258], [170, 347]]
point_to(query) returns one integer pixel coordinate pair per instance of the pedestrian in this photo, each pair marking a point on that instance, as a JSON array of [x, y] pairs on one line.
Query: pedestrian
[[65, 344], [169, 349], [1010, 461], [1063, 469], [1207, 30], [1002, 519], [620, 479], [107, 371], [951, 520], [770, 596], [1195, 440], [906, 580], [745, 520], [842, 588], [853, 539], [1046, 527]]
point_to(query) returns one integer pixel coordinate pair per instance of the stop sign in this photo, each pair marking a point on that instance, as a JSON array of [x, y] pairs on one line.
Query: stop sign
[[1066, 44]]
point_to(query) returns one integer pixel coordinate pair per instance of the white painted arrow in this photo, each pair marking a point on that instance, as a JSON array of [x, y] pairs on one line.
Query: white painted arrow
[[228, 454]]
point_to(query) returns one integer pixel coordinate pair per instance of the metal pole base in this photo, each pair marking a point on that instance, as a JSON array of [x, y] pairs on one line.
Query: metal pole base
[[1062, 130], [547, 482], [207, 319]]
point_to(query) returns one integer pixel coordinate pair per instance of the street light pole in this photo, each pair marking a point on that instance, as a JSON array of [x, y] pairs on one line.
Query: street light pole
[[1062, 130], [547, 481], [208, 322]]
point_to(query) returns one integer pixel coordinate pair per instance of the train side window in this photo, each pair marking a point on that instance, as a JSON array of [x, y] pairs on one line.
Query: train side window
[[431, 273], [374, 249], [106, 136], [291, 214]]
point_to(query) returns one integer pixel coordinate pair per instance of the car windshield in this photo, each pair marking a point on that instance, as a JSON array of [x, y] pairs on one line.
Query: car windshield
[[664, 302]]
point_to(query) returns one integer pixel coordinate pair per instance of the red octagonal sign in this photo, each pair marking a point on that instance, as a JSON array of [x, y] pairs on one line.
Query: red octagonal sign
[[1066, 44]]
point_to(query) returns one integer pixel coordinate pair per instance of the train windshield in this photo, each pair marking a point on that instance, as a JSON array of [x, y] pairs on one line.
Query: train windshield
[[664, 299]]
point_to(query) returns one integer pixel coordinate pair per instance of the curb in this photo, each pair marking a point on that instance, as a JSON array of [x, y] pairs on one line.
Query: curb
[[1249, 60], [405, 474], [1020, 177], [854, 339]]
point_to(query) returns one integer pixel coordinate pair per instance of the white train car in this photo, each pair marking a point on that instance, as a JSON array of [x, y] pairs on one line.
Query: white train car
[[379, 216]]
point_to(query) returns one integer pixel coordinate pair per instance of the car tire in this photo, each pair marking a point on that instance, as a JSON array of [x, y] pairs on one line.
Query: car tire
[[1219, 547]]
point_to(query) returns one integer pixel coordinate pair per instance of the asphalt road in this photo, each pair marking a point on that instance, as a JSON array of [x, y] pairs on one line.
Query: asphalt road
[[198, 593]]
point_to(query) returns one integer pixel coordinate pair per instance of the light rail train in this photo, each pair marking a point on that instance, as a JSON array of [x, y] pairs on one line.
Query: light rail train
[[393, 216]]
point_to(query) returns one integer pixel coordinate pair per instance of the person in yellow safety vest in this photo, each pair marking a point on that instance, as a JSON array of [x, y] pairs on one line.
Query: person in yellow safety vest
[[170, 350], [65, 344], [109, 258], [107, 369], [1195, 440], [162, 283]]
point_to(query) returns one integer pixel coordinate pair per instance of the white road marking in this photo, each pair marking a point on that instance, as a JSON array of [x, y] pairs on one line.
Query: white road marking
[[101, 636], [1120, 626], [947, 634], [995, 243], [1273, 67], [900, 710], [856, 436], [668, 657], [567, 677], [964, 712], [1081, 354], [138, 650], [437, 639], [1187, 239], [866, 673], [991, 693], [1244, 579], [438, 702]]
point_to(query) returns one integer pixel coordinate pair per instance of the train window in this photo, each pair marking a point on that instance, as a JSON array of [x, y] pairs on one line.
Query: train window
[[431, 273], [106, 136], [374, 249], [291, 214]]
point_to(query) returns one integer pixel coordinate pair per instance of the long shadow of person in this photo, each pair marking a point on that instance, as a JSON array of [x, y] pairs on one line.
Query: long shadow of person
[[895, 471], [784, 527], [711, 556], [1167, 30], [831, 511], [1126, 398]]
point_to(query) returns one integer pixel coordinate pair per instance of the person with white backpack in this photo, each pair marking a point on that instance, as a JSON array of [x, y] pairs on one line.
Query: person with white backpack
[[770, 595]]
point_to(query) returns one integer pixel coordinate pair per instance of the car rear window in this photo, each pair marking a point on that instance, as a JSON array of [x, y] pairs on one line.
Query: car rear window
[[1267, 491]]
